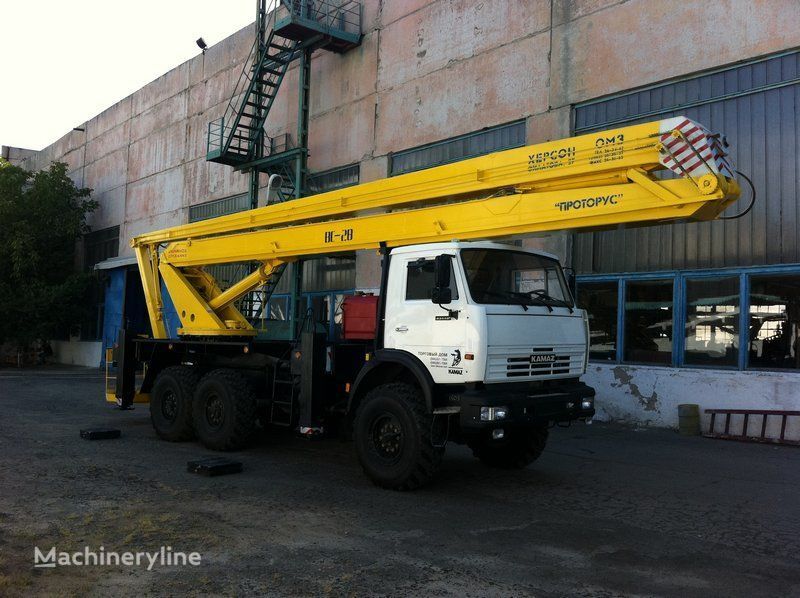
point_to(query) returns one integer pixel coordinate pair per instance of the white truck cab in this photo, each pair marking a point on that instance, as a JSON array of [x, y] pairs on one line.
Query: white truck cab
[[486, 340], [510, 315]]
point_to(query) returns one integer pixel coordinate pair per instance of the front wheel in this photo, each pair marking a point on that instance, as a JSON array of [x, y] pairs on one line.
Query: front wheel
[[394, 437], [519, 448]]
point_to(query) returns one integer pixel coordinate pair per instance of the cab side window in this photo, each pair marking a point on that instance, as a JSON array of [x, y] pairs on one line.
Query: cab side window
[[419, 280]]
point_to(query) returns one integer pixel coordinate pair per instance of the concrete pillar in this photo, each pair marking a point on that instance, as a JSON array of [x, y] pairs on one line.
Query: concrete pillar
[[547, 126]]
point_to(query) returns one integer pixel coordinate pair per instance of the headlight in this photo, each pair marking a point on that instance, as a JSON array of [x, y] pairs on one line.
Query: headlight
[[490, 414], [586, 404]]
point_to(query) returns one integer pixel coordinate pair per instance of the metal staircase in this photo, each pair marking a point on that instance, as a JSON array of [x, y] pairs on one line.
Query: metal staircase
[[293, 29], [235, 138]]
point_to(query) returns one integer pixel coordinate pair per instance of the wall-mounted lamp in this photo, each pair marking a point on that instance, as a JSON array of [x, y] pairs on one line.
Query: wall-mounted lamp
[[201, 43]]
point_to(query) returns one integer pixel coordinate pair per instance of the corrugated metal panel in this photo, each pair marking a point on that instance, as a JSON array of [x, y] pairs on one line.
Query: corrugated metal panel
[[319, 182], [329, 273], [218, 207], [756, 106], [458, 148], [322, 274]]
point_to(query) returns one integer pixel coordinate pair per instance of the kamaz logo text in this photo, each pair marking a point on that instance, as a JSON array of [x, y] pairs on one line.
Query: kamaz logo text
[[588, 202], [543, 358]]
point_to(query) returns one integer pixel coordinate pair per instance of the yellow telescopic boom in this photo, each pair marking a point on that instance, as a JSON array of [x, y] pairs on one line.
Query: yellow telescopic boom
[[661, 171]]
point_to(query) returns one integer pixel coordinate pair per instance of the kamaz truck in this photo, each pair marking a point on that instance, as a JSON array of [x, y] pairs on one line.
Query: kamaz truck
[[471, 338]]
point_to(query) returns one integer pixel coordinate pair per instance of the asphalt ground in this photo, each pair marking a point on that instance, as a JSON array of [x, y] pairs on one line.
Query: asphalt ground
[[606, 511]]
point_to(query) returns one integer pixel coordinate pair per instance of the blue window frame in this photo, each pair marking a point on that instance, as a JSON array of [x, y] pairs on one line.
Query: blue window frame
[[735, 318]]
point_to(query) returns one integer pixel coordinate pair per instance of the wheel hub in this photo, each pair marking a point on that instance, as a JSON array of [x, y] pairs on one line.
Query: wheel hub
[[169, 406], [214, 411], [387, 436]]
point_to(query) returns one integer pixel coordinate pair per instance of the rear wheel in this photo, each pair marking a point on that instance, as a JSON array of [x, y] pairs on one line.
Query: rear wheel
[[171, 402], [518, 449], [393, 436], [224, 410]]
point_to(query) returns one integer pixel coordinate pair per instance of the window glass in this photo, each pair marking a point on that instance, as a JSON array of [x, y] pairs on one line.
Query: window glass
[[100, 245], [279, 309], [499, 276], [420, 282], [599, 299], [648, 321], [774, 322], [712, 321]]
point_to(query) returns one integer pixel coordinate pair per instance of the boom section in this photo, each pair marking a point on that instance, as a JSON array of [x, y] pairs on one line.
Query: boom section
[[573, 163], [607, 179]]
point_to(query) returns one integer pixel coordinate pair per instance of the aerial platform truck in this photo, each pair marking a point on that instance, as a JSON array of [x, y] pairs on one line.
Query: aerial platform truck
[[471, 339]]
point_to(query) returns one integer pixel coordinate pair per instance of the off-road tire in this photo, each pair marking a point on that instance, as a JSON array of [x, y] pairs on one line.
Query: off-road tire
[[520, 448], [224, 410], [171, 402], [410, 461]]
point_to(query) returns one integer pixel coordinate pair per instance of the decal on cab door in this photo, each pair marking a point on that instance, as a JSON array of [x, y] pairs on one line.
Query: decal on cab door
[[450, 360]]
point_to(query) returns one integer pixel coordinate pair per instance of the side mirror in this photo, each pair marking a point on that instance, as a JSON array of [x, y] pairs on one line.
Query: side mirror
[[442, 295], [441, 271], [569, 274]]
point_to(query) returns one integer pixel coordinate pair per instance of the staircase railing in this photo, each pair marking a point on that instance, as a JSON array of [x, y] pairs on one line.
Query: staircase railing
[[222, 134], [331, 14], [217, 129]]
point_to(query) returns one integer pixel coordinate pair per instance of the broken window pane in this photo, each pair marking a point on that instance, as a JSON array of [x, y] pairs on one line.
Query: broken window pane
[[712, 321], [648, 322]]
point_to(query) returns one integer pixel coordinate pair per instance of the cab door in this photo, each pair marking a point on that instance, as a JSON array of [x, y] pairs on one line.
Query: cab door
[[434, 334]]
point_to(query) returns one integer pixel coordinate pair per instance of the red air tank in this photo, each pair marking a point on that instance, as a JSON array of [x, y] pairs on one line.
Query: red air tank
[[359, 317]]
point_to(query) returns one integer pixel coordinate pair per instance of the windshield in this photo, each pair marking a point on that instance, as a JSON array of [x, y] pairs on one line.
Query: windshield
[[508, 277]]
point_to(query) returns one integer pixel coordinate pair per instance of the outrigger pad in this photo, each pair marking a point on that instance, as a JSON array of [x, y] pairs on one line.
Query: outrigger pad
[[100, 433], [214, 466]]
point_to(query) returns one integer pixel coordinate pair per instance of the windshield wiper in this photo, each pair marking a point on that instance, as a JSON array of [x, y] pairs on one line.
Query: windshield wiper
[[537, 297], [542, 295], [510, 295]]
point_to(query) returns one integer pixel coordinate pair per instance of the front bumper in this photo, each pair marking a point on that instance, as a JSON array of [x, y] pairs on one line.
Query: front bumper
[[526, 404]]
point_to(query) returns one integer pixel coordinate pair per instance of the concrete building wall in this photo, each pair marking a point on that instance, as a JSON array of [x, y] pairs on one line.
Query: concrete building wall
[[426, 70], [15, 155]]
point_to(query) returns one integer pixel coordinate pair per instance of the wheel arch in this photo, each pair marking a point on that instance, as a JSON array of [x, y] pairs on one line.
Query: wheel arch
[[389, 365]]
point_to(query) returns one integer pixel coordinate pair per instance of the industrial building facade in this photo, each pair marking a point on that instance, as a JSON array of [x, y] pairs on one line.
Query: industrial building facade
[[703, 313]]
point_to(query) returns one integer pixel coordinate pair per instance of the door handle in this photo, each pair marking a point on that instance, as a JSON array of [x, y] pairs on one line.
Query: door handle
[[401, 329]]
